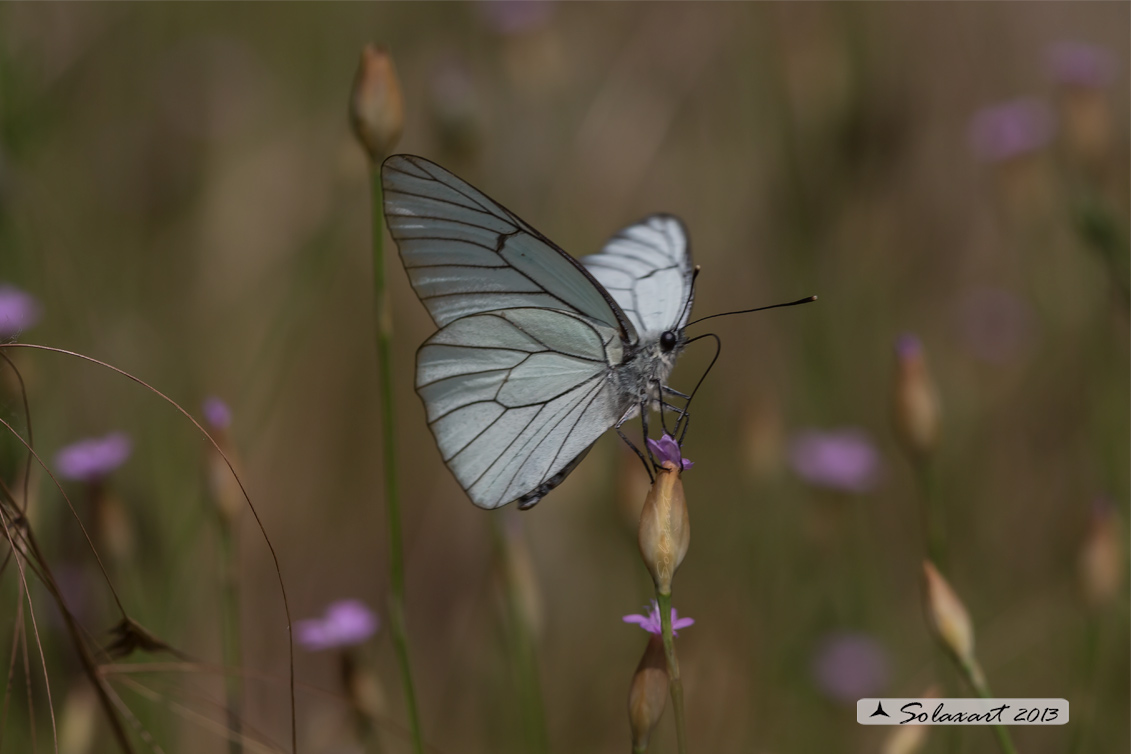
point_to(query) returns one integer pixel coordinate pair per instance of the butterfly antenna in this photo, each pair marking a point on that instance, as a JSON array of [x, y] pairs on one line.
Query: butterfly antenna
[[805, 300], [687, 406]]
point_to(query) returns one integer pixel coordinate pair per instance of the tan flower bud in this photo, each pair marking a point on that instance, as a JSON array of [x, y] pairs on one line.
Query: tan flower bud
[[112, 526], [916, 403], [648, 693], [948, 618], [376, 105], [78, 720], [362, 687], [909, 739], [226, 493], [665, 531], [1101, 559]]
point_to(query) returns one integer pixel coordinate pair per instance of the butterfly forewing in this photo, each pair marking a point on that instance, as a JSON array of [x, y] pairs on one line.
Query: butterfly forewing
[[467, 254]]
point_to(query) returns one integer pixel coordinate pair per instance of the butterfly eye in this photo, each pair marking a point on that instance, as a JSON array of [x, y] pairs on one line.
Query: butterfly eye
[[667, 341]]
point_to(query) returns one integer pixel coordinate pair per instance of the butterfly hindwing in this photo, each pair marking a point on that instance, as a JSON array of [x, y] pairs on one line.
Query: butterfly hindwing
[[516, 397]]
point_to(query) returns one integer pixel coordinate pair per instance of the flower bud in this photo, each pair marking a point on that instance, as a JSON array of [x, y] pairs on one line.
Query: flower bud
[[665, 531], [222, 483], [648, 693], [948, 618], [916, 403], [362, 687], [112, 527], [376, 105], [1101, 559], [1083, 73], [78, 720], [910, 738]]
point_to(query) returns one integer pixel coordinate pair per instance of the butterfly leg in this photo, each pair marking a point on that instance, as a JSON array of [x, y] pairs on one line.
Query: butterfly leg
[[644, 427], [635, 449]]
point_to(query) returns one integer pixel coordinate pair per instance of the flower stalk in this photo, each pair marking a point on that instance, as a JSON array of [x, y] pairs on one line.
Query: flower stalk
[[665, 535], [951, 626], [377, 117]]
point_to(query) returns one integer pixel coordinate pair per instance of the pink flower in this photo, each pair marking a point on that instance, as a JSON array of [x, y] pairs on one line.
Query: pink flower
[[217, 413], [843, 459], [651, 621], [848, 666], [1080, 64], [345, 624], [93, 458], [1011, 129], [18, 310], [667, 449]]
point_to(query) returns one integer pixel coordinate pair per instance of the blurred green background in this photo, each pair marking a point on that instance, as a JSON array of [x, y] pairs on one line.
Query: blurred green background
[[180, 190]]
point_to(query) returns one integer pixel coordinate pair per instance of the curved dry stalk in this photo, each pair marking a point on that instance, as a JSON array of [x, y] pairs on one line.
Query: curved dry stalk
[[243, 491]]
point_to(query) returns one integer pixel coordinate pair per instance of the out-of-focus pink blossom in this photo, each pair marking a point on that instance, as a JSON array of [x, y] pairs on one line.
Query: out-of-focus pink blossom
[[848, 666], [842, 459], [93, 458], [345, 624], [1011, 129]]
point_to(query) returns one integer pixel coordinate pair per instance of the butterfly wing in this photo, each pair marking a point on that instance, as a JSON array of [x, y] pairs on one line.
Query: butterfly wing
[[466, 254], [647, 270], [515, 398]]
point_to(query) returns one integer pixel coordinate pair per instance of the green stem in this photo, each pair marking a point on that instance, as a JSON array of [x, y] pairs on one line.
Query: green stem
[[933, 528], [674, 682], [523, 649], [977, 680], [233, 650], [1091, 648], [384, 322]]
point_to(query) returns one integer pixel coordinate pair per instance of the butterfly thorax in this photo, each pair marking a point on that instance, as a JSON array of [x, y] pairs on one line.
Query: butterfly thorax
[[645, 369]]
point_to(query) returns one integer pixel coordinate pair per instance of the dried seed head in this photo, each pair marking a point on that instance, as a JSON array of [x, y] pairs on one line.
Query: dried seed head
[[648, 693], [916, 403], [665, 531], [948, 618], [376, 105], [1101, 564]]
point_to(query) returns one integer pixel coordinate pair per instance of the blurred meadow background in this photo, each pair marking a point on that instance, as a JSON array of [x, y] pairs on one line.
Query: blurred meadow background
[[181, 197]]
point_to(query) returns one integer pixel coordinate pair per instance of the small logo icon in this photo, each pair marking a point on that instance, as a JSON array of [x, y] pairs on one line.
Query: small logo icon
[[879, 710]]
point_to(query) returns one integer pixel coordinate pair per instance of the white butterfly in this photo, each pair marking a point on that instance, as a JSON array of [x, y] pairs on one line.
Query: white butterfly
[[537, 354]]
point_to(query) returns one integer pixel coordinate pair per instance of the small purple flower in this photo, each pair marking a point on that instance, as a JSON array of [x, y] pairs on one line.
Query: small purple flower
[[516, 16], [849, 666], [1080, 64], [346, 623], [843, 459], [667, 449], [19, 310], [996, 325], [651, 621], [217, 413], [1011, 129], [93, 458], [908, 346]]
